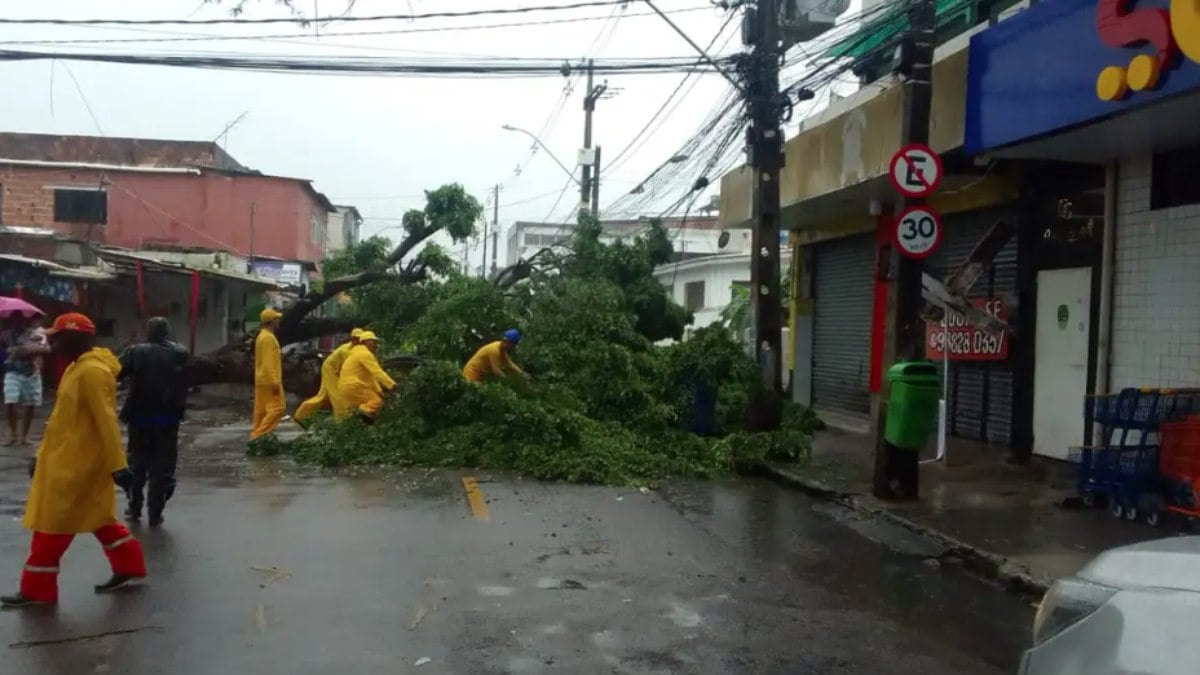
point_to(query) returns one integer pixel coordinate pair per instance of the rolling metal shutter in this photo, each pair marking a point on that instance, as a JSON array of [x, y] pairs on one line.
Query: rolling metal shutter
[[843, 281], [979, 401]]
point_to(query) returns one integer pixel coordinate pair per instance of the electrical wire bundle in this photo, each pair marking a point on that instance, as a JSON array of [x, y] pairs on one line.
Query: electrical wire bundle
[[712, 151]]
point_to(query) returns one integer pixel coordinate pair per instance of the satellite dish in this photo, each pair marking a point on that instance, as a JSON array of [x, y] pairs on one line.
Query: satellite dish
[[723, 240]]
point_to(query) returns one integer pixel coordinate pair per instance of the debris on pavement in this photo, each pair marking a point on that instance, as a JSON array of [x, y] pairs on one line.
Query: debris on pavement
[[277, 573], [423, 661]]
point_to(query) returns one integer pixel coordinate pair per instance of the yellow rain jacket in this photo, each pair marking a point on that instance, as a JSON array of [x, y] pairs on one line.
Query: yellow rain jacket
[[490, 361], [362, 381], [73, 490], [269, 398], [331, 370]]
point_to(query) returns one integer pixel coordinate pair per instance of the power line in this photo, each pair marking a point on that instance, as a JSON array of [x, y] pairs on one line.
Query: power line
[[306, 21], [616, 161], [177, 36], [512, 67]]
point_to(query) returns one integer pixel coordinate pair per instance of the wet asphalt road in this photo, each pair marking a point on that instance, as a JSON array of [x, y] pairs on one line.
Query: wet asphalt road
[[265, 568]]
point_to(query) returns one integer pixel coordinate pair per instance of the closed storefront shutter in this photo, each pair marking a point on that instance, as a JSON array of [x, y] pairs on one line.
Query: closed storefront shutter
[[979, 400], [843, 278]]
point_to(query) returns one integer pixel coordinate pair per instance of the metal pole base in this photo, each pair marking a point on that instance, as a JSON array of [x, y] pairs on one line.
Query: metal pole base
[[897, 474]]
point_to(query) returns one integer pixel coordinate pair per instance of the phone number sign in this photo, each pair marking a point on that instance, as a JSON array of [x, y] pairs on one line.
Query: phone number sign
[[958, 340]]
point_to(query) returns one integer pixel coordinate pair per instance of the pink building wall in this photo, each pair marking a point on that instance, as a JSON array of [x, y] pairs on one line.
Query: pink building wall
[[209, 210]]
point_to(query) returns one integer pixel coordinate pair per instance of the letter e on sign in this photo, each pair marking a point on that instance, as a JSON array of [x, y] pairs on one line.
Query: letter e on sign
[[918, 232], [916, 170]]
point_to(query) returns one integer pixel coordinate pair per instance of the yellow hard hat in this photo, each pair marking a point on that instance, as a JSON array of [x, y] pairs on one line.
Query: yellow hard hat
[[367, 336], [356, 333], [269, 314]]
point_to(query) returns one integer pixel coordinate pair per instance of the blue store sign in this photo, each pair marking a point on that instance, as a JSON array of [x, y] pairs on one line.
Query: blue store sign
[[1064, 63]]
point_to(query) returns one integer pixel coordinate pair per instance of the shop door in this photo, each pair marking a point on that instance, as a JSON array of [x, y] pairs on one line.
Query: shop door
[[1060, 374], [844, 279]]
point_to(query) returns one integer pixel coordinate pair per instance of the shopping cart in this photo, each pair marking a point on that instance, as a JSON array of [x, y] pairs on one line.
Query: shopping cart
[[1122, 466]]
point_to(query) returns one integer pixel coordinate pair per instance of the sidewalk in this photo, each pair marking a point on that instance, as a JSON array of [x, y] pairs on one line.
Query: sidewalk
[[1005, 521]]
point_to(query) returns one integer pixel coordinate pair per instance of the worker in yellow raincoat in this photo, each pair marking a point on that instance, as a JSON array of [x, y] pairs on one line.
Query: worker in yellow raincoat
[[331, 369], [494, 359], [269, 397], [363, 381], [78, 466]]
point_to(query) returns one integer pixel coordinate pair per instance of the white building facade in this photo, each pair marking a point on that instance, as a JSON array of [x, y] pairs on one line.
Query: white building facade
[[691, 237]]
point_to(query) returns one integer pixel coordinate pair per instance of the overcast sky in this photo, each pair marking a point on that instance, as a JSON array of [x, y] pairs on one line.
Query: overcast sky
[[374, 142]]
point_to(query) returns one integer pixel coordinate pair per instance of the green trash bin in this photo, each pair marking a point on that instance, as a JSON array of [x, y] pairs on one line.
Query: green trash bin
[[913, 404]]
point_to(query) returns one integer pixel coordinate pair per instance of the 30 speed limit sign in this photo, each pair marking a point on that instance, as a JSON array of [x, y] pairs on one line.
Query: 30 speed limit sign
[[918, 232]]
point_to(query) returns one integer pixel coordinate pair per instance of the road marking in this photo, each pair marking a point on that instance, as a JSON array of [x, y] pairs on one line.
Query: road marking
[[478, 506]]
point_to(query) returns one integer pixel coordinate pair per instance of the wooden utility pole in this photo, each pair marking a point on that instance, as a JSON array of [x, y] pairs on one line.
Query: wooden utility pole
[[896, 470], [764, 142]]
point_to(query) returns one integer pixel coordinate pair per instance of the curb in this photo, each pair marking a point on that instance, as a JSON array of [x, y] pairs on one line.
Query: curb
[[1011, 576]]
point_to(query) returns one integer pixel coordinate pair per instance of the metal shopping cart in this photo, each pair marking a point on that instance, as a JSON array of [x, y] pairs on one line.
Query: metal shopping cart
[[1122, 467]]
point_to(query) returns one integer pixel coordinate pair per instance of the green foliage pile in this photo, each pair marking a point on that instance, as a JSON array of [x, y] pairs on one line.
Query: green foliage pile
[[605, 402]]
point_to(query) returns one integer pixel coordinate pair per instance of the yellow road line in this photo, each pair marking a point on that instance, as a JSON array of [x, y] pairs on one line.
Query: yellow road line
[[479, 507]]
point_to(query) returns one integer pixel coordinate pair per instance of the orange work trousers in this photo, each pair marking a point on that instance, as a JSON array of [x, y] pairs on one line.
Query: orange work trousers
[[39, 580]]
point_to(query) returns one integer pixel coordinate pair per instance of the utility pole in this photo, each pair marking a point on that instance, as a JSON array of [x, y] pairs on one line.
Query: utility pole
[[250, 257], [590, 96], [495, 224], [897, 471], [764, 143], [483, 257], [596, 184]]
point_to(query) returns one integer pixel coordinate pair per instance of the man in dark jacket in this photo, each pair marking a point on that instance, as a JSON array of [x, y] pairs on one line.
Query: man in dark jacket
[[153, 410]]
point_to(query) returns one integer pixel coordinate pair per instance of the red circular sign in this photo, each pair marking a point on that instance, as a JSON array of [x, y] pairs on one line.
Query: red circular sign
[[915, 170], [918, 232]]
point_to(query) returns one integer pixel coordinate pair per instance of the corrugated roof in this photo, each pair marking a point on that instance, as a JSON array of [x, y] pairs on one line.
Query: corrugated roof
[[119, 256], [56, 270]]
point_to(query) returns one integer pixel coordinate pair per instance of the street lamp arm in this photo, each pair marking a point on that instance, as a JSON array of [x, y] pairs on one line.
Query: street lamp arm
[[540, 144]]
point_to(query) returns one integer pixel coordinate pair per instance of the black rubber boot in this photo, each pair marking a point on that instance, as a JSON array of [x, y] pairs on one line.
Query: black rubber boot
[[117, 581], [17, 601]]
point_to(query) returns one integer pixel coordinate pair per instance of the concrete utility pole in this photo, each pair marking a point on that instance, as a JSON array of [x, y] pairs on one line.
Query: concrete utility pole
[[764, 142], [586, 190], [495, 224], [897, 471]]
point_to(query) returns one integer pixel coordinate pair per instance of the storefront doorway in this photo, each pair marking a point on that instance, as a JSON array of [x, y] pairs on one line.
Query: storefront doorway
[[1061, 375]]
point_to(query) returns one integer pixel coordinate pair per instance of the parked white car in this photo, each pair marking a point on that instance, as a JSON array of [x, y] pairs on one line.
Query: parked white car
[[1134, 610]]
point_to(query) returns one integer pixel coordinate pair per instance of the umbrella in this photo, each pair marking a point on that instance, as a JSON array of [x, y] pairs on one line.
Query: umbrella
[[10, 306]]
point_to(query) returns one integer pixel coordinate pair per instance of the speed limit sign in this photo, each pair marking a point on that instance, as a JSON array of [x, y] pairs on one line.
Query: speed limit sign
[[918, 232]]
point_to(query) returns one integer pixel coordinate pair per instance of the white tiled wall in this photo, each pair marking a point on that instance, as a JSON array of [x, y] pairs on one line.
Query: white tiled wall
[[1156, 293]]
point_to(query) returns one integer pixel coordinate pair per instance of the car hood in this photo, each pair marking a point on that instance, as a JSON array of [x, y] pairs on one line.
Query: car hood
[[1162, 563]]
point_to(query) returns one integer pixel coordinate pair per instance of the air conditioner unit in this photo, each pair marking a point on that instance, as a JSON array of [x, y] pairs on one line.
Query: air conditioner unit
[[804, 20]]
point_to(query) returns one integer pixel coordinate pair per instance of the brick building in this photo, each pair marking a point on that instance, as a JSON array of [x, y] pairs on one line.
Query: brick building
[[137, 192]]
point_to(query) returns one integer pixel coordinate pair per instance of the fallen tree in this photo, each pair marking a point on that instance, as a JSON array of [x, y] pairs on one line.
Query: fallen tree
[[448, 209], [605, 403]]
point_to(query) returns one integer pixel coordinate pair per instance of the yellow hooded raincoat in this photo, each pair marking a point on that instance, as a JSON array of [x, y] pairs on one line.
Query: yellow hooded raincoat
[[269, 398], [363, 382], [73, 490], [331, 370]]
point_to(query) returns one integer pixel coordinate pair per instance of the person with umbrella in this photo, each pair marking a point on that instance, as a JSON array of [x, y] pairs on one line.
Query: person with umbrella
[[24, 348]]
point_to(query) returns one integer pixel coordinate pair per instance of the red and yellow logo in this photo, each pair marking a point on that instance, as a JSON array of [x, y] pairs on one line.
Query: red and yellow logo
[[1169, 31]]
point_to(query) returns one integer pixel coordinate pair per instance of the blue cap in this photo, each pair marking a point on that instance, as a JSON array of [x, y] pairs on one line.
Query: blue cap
[[512, 335]]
